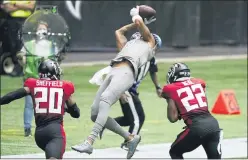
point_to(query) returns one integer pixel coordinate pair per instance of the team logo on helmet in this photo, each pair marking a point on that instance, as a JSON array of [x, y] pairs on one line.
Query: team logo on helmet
[[170, 74], [50, 69], [176, 71]]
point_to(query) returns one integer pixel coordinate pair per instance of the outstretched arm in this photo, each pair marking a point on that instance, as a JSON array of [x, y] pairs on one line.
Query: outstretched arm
[[154, 78], [153, 69], [121, 39], [143, 29], [20, 93], [72, 108]]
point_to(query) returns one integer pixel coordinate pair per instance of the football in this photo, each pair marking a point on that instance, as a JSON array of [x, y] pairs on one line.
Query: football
[[146, 11]]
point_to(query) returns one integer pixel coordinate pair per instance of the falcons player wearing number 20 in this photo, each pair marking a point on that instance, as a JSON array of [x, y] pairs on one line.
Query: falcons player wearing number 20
[[186, 99], [49, 95]]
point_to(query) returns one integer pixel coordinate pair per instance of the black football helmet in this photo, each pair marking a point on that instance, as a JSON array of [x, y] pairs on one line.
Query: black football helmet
[[49, 69], [176, 71]]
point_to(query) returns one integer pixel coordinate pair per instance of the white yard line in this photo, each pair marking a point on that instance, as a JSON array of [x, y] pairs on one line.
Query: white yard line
[[162, 60], [231, 148]]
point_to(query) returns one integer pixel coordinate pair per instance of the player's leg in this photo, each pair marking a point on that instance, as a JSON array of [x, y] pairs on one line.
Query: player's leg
[[186, 141], [138, 115], [121, 79], [28, 115], [55, 148], [111, 124], [122, 120], [111, 94], [212, 145], [95, 105], [128, 118], [86, 146], [125, 119], [41, 137]]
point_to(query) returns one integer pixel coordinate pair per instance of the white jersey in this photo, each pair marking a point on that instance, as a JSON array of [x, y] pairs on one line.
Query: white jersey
[[136, 51]]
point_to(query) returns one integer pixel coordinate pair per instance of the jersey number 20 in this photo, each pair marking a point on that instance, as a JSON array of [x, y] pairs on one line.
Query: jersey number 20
[[190, 96], [50, 99]]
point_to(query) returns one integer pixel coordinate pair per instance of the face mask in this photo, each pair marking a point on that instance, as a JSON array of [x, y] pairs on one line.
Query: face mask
[[42, 33]]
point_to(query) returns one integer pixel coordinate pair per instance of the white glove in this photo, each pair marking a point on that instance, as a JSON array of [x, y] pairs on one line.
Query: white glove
[[98, 76], [150, 20], [134, 13]]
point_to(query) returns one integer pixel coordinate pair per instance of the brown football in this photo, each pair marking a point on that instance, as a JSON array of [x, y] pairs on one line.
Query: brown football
[[146, 11]]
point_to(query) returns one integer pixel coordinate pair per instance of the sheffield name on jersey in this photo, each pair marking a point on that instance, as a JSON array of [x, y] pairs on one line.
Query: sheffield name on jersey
[[49, 97]]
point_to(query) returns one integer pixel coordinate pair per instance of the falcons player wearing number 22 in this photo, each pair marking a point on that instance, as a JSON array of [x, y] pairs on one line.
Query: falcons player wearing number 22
[[186, 99], [49, 95]]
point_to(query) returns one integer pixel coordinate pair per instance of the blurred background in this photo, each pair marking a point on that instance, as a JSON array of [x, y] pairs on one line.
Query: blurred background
[[187, 28], [180, 24]]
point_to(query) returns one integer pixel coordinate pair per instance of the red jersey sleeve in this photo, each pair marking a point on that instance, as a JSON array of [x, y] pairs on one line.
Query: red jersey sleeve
[[30, 82], [68, 88], [166, 91]]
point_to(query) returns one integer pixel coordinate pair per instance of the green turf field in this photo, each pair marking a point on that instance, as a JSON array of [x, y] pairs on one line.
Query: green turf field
[[226, 74]]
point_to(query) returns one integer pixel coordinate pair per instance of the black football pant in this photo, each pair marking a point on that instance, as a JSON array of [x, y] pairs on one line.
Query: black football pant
[[51, 139], [193, 137], [133, 114]]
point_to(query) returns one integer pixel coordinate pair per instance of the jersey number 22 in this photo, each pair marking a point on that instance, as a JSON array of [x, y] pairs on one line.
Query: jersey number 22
[[50, 99], [190, 96]]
